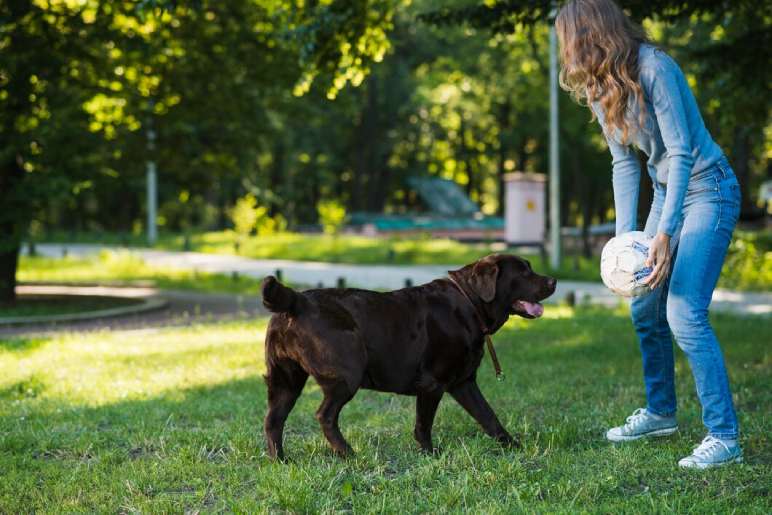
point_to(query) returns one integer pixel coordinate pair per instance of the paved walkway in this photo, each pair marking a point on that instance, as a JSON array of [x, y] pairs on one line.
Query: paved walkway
[[383, 277]]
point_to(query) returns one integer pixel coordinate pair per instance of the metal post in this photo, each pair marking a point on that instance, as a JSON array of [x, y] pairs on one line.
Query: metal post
[[555, 243], [152, 188]]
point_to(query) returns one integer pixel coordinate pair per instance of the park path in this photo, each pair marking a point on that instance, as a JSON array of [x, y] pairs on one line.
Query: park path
[[376, 277]]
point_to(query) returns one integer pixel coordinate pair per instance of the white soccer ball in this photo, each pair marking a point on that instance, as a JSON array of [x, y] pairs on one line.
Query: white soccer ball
[[623, 264]]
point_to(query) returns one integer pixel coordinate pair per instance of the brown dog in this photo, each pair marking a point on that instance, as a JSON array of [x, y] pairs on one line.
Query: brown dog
[[421, 341]]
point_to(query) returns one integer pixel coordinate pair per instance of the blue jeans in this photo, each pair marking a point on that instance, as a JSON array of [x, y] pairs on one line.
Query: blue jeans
[[680, 304]]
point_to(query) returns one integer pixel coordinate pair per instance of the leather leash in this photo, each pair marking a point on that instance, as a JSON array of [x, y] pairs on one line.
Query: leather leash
[[485, 330]]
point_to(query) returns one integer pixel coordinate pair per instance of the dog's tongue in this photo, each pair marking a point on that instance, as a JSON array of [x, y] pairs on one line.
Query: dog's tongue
[[532, 308]]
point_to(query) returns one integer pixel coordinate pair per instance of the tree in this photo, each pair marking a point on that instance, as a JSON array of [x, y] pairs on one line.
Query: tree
[[721, 42], [80, 80]]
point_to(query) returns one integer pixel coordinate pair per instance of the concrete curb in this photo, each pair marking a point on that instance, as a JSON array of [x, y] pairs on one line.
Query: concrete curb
[[148, 303]]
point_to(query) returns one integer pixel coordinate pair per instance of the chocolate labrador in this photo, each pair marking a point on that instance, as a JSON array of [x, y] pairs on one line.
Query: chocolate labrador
[[422, 341]]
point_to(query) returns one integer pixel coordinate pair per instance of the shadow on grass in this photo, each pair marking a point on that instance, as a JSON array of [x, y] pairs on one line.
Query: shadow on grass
[[26, 389]]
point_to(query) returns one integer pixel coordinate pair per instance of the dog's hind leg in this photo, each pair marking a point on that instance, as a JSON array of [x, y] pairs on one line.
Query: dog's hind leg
[[470, 397], [336, 395], [426, 407], [285, 380]]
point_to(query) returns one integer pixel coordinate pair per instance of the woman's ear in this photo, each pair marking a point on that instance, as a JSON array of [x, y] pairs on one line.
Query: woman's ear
[[483, 278]]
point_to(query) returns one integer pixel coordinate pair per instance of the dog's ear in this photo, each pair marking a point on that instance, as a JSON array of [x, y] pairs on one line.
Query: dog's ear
[[483, 278]]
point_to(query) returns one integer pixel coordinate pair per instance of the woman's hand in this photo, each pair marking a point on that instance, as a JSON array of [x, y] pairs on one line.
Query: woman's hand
[[659, 258]]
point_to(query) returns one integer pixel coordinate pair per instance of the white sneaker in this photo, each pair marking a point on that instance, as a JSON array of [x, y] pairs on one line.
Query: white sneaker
[[712, 452], [642, 424]]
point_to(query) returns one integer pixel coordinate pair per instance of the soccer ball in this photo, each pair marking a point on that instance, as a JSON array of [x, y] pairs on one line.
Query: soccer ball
[[623, 264]]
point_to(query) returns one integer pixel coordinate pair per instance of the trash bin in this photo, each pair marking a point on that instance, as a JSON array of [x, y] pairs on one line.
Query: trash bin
[[524, 217]]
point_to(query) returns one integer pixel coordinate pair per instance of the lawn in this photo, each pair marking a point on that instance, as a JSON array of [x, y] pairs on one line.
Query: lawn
[[169, 420], [748, 265], [342, 249], [34, 305], [124, 268]]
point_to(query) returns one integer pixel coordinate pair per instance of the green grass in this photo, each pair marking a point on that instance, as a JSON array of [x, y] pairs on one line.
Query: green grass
[[362, 250], [124, 268], [169, 420], [748, 265], [53, 305], [344, 249]]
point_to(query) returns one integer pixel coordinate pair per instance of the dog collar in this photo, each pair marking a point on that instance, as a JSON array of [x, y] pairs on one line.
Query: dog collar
[[485, 330]]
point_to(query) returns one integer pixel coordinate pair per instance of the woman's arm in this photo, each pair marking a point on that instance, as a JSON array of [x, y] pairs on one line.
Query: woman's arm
[[662, 85], [625, 177]]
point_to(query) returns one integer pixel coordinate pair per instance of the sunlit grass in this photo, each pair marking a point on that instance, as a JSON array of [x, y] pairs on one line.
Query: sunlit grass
[[75, 367], [127, 268], [343, 248], [169, 420], [748, 265]]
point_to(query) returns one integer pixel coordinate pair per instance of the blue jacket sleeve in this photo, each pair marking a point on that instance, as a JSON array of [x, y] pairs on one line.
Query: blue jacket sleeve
[[626, 180], [663, 86]]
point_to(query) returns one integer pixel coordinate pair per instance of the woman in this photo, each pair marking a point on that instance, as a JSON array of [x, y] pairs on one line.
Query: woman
[[641, 98]]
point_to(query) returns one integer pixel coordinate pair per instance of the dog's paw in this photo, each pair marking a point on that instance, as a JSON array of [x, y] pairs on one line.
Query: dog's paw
[[509, 441], [343, 452], [430, 450]]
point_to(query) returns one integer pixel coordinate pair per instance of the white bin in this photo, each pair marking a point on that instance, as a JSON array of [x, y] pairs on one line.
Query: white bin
[[524, 217]]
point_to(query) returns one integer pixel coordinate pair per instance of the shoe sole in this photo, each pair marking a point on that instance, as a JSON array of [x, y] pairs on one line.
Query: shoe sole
[[659, 432], [703, 466]]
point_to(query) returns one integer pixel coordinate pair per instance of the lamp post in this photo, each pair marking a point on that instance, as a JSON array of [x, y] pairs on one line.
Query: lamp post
[[555, 243], [152, 186]]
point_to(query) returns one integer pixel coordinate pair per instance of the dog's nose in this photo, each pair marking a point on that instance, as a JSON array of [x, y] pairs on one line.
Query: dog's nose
[[551, 283]]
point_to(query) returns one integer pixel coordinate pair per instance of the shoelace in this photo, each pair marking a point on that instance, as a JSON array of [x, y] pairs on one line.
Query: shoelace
[[638, 416], [708, 447]]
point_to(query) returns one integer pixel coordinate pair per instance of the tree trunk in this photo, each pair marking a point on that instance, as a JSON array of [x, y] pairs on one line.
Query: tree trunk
[[9, 260], [503, 119], [741, 165], [365, 141], [276, 175], [11, 224]]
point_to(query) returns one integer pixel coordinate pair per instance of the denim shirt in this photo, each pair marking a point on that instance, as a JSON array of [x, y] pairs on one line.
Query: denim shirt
[[674, 138]]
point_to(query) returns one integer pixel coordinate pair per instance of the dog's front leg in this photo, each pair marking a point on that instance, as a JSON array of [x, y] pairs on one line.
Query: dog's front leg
[[469, 396], [426, 407]]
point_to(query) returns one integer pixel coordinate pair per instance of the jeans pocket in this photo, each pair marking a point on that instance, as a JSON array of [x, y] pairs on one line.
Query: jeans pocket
[[729, 203], [731, 195], [702, 183]]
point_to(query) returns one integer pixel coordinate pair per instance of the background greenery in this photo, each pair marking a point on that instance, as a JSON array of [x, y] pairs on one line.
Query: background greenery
[[314, 106]]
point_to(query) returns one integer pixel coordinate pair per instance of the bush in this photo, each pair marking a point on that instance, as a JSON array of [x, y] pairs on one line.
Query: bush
[[749, 262], [186, 212], [332, 215], [248, 217]]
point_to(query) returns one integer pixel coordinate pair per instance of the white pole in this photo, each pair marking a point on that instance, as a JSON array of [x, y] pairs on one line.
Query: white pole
[[152, 189], [554, 151]]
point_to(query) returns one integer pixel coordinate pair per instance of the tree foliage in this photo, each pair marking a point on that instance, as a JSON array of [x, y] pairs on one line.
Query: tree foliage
[[302, 103], [83, 81]]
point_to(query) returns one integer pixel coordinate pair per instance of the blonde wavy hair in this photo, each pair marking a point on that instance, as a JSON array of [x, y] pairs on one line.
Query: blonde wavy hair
[[599, 53]]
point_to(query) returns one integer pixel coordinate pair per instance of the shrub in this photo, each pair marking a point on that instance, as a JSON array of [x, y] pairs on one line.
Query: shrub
[[749, 262], [332, 215], [248, 217]]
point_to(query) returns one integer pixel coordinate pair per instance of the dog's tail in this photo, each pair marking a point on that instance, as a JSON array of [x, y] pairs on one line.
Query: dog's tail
[[278, 298]]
